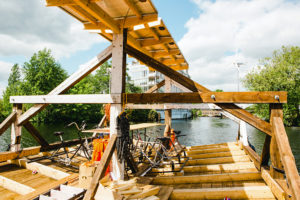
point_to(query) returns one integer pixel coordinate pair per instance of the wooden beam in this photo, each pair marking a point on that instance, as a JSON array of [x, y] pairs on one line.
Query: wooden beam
[[41, 169], [69, 82], [133, 7], [68, 99], [130, 22], [156, 87], [217, 178], [195, 87], [164, 106], [63, 2], [7, 122], [16, 131], [275, 111], [219, 160], [46, 187], [205, 97], [273, 185], [153, 41], [99, 14], [172, 61], [35, 134], [101, 168], [287, 157], [248, 192], [15, 186], [9, 155], [164, 53], [253, 156]]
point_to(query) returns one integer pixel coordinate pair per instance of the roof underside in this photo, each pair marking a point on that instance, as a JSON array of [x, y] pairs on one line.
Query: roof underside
[[146, 31]]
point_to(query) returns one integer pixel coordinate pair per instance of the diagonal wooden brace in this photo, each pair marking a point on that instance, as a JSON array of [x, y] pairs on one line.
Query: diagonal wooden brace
[[195, 87], [68, 83]]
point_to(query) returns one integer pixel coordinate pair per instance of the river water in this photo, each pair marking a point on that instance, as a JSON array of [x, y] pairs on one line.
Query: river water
[[199, 131]]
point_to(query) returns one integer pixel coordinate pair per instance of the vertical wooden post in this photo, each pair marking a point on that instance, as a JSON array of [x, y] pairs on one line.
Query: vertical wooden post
[[16, 130], [117, 84], [168, 112], [275, 111]]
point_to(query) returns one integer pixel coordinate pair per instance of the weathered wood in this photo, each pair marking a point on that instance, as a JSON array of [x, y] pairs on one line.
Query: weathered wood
[[265, 155], [207, 178], [46, 187], [253, 156], [195, 87], [69, 82], [275, 111], [217, 154], [156, 87], [205, 97], [273, 185], [15, 186], [249, 192], [8, 155], [35, 134], [16, 131], [101, 168], [7, 122], [68, 99], [286, 156], [212, 150]]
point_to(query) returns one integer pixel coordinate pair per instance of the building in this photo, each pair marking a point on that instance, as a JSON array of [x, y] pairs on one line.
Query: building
[[141, 76]]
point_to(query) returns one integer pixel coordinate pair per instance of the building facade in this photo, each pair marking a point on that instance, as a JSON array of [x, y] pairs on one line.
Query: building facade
[[141, 76]]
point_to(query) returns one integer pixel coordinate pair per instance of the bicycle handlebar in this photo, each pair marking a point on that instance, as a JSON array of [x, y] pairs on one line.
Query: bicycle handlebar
[[83, 124]]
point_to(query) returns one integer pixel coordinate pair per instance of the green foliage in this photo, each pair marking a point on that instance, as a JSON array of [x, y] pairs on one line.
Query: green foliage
[[196, 113], [219, 90], [14, 88], [153, 116], [281, 72], [42, 73]]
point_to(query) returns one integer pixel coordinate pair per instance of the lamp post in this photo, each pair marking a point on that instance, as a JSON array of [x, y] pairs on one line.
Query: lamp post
[[238, 64]]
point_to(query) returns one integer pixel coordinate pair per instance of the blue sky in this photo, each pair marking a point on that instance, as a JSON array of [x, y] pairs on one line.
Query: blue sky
[[211, 34]]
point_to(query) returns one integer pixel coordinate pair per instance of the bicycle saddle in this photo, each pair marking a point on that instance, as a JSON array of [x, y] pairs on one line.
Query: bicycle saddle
[[58, 133]]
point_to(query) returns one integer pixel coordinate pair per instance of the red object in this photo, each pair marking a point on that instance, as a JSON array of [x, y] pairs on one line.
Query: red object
[[99, 146]]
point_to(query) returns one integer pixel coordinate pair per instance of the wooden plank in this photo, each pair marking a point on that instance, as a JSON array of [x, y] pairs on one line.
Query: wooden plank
[[15, 186], [101, 168], [9, 155], [7, 122], [253, 156], [46, 187], [249, 192], [68, 99], [275, 111], [99, 14], [212, 150], [160, 54], [152, 41], [195, 87], [156, 87], [165, 192], [168, 112], [205, 97], [273, 185], [69, 82], [41, 169], [216, 178], [287, 157], [217, 154], [16, 131], [231, 159], [35, 134], [130, 22]]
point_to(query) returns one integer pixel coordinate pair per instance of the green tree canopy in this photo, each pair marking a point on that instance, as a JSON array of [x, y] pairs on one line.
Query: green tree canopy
[[281, 72]]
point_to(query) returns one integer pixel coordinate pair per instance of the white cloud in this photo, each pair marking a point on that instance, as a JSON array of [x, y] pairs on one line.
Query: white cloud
[[254, 28], [29, 26], [5, 68]]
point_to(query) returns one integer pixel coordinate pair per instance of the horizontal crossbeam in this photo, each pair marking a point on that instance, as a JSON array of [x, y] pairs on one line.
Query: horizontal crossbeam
[[208, 97], [68, 99]]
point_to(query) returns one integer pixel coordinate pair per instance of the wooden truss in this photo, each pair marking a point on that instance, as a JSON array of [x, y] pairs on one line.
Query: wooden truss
[[276, 145]]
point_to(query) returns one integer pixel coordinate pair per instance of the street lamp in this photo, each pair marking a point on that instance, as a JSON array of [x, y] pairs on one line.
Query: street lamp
[[238, 64]]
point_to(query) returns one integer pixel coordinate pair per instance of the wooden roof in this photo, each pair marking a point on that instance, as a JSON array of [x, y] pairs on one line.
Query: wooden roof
[[146, 31]]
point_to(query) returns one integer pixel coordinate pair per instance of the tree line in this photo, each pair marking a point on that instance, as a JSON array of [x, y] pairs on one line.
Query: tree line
[[42, 73]]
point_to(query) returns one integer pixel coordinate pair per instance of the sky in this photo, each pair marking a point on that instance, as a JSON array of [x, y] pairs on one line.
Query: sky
[[212, 34]]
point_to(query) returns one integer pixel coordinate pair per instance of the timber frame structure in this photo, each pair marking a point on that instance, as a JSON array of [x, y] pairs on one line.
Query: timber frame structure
[[154, 47]]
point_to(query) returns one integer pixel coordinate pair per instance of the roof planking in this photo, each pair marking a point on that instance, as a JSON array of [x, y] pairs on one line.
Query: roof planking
[[146, 31]]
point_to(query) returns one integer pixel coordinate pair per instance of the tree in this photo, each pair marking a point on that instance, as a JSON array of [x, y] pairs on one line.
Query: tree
[[13, 88], [281, 72]]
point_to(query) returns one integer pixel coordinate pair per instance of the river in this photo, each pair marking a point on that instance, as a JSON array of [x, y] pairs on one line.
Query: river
[[199, 131]]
